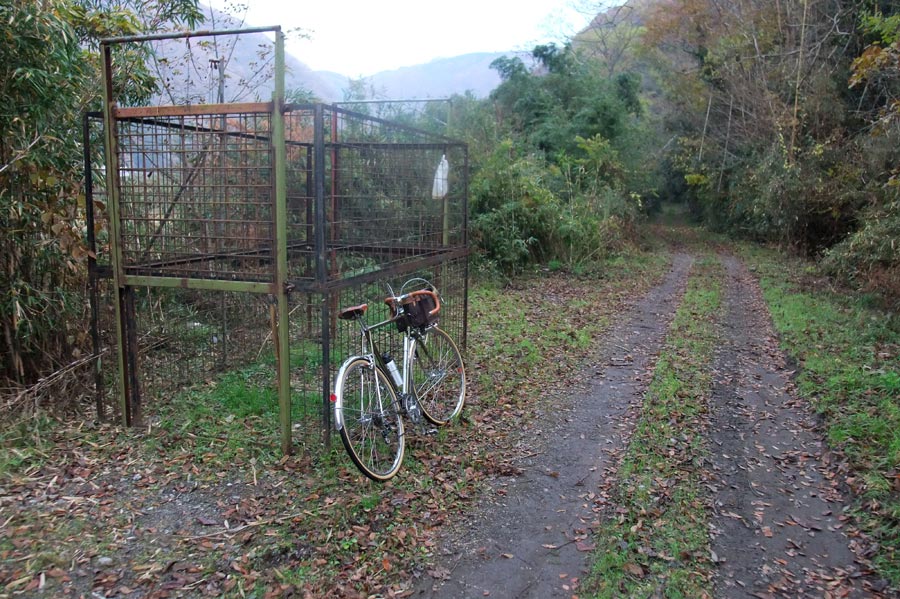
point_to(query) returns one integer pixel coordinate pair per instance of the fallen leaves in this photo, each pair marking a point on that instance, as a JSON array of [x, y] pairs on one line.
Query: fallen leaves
[[660, 505], [186, 513], [633, 569]]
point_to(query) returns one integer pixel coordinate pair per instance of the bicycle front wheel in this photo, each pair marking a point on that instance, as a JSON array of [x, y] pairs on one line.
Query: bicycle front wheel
[[368, 415], [438, 376]]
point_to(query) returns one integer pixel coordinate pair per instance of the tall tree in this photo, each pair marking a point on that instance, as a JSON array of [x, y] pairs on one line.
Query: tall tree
[[613, 37], [789, 121]]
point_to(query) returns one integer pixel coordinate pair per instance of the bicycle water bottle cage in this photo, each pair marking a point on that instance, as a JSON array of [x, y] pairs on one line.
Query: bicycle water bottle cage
[[353, 312]]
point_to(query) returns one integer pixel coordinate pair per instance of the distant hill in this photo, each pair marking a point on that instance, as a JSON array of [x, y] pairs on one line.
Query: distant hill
[[439, 78], [336, 84], [248, 73]]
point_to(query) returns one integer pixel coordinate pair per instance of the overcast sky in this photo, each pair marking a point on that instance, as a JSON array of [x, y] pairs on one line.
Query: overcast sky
[[362, 37]]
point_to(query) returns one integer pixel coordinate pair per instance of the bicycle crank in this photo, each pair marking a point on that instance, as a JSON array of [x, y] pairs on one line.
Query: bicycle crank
[[411, 406]]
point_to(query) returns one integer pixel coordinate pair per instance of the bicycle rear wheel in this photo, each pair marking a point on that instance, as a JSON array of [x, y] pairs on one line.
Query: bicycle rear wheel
[[368, 416], [438, 376]]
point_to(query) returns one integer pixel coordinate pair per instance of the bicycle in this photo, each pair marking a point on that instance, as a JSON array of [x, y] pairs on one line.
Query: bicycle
[[372, 395]]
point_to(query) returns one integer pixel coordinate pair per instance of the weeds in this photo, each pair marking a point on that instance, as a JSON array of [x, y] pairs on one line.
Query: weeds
[[848, 357], [657, 540]]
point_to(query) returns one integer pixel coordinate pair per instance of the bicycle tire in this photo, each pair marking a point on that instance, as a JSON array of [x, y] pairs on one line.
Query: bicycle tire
[[438, 376], [368, 416]]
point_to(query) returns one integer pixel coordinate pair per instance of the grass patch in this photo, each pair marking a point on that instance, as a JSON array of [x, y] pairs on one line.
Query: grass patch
[[849, 358], [25, 444], [518, 348], [656, 543], [157, 499]]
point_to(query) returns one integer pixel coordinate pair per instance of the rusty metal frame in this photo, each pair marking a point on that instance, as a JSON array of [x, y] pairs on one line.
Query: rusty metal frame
[[320, 237], [124, 281]]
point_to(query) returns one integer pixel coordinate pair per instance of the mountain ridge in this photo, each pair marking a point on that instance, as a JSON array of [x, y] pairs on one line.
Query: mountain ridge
[[440, 77]]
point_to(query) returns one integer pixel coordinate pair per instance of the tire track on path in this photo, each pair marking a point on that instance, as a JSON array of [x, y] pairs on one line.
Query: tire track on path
[[533, 537], [778, 523]]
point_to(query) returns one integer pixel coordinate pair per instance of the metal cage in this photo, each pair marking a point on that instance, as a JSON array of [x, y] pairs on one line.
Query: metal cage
[[246, 225]]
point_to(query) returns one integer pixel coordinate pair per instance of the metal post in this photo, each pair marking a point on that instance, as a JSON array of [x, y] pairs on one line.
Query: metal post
[[465, 242], [321, 266], [282, 340], [445, 238], [309, 191], [118, 269], [222, 212], [334, 232], [319, 176], [132, 381], [92, 267]]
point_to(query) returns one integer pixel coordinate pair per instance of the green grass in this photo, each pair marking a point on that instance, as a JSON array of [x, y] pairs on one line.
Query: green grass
[[656, 543], [25, 444], [237, 413], [848, 354], [315, 521], [509, 360]]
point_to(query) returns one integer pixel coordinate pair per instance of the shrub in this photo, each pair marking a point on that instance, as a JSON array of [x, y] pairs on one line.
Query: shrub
[[870, 257]]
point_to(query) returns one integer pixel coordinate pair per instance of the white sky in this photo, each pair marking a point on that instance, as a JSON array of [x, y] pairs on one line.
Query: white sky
[[362, 37]]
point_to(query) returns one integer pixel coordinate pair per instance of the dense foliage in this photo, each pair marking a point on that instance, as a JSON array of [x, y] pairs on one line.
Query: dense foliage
[[775, 121], [787, 121], [43, 75], [556, 152], [49, 76]]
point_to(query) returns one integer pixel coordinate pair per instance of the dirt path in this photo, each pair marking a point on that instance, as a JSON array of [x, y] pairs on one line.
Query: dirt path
[[533, 538], [112, 513], [778, 524], [777, 527]]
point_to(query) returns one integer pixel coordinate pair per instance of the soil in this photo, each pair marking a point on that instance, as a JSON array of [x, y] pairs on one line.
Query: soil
[[532, 537], [779, 527]]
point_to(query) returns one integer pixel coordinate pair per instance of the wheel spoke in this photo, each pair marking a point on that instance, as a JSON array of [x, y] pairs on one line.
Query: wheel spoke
[[438, 376], [372, 429]]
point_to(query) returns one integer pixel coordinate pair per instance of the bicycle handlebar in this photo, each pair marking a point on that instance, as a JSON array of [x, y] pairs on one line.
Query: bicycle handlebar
[[395, 301]]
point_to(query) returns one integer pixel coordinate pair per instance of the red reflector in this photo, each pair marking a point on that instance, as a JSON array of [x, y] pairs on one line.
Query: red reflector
[[333, 398]]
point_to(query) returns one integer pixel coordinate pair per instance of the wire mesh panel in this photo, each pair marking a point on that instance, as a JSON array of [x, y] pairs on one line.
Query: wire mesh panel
[[237, 231], [391, 194], [188, 335], [196, 194], [389, 201], [309, 388], [300, 127]]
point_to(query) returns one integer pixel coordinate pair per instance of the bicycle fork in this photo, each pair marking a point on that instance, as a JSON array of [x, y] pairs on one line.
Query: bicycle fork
[[406, 393]]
